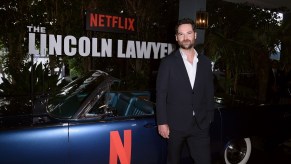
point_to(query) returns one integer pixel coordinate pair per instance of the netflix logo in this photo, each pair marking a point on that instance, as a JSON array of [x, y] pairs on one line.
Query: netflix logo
[[110, 23]]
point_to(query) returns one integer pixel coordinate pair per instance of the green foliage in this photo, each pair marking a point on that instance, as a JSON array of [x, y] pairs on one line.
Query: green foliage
[[75, 68], [19, 91], [25, 82], [241, 39]]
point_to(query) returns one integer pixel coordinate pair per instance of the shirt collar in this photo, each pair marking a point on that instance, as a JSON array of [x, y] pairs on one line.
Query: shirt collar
[[185, 57]]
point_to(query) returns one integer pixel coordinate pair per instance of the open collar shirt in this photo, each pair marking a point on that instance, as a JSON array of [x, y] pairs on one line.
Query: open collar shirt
[[191, 68]]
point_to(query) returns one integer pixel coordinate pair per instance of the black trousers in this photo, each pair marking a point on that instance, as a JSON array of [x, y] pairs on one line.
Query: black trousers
[[198, 142]]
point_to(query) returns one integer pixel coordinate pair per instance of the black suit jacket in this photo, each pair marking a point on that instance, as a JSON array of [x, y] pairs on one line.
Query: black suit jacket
[[176, 100]]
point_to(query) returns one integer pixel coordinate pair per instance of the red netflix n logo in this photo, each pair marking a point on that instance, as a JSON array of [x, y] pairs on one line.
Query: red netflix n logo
[[119, 150]]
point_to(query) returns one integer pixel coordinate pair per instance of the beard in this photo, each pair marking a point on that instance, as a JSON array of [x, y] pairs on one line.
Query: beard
[[186, 44]]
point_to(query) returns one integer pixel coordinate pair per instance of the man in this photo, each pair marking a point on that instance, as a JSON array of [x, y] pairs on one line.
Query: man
[[185, 98]]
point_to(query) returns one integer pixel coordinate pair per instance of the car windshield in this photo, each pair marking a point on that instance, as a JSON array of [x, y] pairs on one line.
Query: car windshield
[[69, 100]]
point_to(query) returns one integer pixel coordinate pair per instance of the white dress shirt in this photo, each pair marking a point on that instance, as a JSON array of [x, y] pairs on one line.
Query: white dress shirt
[[191, 68]]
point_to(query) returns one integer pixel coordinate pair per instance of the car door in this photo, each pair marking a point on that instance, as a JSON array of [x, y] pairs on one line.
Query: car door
[[117, 140], [44, 144]]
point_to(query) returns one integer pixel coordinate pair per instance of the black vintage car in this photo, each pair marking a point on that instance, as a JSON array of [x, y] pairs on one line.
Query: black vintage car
[[89, 121]]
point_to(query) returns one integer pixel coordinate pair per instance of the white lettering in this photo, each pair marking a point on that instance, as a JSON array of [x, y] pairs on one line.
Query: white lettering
[[31, 44], [120, 53], [42, 29], [68, 41], [84, 46], [171, 48], [130, 49], [30, 28], [163, 49], [70, 46], [143, 50], [42, 44], [55, 45], [156, 48], [95, 52], [106, 48]]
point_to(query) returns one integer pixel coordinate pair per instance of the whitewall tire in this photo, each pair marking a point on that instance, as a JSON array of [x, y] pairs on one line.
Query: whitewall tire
[[238, 151]]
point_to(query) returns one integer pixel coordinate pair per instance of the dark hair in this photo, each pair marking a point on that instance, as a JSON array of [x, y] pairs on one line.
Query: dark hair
[[185, 21]]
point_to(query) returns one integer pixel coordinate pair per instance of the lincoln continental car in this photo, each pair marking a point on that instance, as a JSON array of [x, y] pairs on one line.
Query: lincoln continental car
[[89, 121], [86, 122]]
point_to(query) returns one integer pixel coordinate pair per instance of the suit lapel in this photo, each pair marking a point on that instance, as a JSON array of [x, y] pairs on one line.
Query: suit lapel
[[181, 66], [198, 74]]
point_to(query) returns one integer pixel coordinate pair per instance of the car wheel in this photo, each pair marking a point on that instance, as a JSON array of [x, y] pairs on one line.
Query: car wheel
[[238, 151]]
